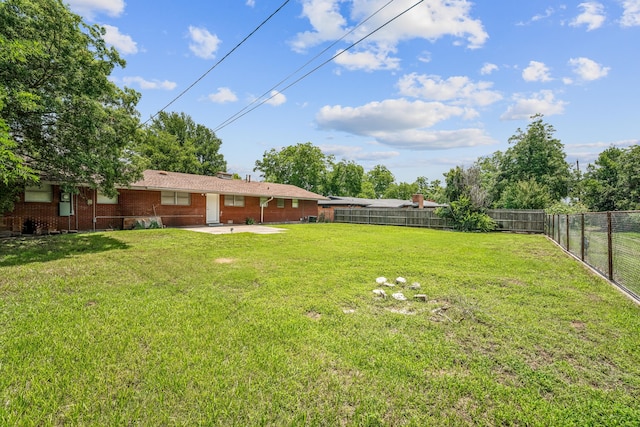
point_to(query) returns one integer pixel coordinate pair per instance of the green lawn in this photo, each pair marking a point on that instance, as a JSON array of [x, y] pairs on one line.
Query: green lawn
[[171, 327]]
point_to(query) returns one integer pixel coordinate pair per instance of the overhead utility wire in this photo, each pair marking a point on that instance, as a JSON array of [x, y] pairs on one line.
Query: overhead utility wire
[[217, 63], [324, 63], [268, 91]]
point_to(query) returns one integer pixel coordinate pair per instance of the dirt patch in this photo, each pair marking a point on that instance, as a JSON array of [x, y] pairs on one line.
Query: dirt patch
[[408, 312], [313, 315], [577, 325], [224, 260]]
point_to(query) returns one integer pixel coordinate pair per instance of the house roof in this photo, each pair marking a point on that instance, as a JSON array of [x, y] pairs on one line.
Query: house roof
[[374, 203], [175, 181]]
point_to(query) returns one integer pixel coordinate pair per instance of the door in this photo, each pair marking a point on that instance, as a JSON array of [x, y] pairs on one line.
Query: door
[[213, 208]]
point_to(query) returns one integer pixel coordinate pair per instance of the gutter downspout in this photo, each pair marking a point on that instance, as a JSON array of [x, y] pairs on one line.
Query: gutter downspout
[[95, 199], [262, 205]]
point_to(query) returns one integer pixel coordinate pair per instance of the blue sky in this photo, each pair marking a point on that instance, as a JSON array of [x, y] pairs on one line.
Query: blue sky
[[443, 84]]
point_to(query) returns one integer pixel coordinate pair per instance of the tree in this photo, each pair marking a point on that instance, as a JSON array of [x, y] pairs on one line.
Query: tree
[[345, 179], [630, 178], [432, 190], [174, 142], [67, 121], [467, 183], [381, 178], [601, 182], [536, 155], [526, 195], [302, 165], [401, 191]]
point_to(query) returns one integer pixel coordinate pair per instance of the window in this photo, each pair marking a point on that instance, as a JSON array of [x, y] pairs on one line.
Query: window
[[39, 193], [294, 203], [175, 198], [106, 200], [264, 202], [230, 200], [281, 203]]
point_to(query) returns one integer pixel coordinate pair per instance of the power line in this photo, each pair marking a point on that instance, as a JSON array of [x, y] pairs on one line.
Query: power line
[[217, 63], [268, 91], [228, 122]]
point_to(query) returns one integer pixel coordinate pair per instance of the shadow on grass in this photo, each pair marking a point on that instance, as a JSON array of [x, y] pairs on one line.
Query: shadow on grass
[[25, 250]]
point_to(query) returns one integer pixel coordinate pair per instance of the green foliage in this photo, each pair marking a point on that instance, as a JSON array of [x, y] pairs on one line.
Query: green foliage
[[528, 194], [612, 182], [466, 217], [566, 208], [345, 179], [536, 155], [381, 178], [174, 142], [249, 221], [72, 123], [367, 191], [432, 190], [401, 191], [302, 165]]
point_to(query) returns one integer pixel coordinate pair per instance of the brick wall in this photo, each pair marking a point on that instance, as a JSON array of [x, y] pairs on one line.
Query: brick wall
[[272, 213], [45, 218]]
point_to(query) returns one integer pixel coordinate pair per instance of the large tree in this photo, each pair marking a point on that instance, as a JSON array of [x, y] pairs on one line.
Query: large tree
[[535, 155], [345, 179], [302, 165], [66, 120], [174, 142], [612, 182], [381, 178]]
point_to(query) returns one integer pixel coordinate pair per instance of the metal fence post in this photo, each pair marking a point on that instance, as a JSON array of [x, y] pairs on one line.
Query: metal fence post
[[582, 237], [610, 245], [567, 222]]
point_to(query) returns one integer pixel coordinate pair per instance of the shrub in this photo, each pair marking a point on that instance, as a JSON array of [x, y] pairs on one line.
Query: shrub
[[249, 221], [465, 217]]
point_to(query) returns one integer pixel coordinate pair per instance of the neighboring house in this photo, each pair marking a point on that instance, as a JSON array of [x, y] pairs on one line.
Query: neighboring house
[[326, 207], [179, 199]]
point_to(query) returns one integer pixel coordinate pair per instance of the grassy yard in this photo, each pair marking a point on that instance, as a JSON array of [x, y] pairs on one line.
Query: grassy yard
[[171, 327]]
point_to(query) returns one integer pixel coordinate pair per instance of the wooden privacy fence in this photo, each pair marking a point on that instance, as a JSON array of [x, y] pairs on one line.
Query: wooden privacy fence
[[609, 242], [525, 221]]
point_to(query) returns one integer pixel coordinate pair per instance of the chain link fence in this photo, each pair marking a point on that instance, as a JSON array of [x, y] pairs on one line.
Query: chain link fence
[[609, 242]]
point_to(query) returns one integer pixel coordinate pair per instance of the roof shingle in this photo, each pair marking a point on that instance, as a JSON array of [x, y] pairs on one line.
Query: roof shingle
[[175, 181]]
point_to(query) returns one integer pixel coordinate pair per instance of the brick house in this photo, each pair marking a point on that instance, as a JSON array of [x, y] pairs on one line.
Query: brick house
[[178, 199]]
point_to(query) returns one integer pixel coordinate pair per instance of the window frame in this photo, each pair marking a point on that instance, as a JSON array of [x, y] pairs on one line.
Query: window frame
[[177, 196], [102, 199], [295, 203], [280, 203], [36, 193], [234, 200]]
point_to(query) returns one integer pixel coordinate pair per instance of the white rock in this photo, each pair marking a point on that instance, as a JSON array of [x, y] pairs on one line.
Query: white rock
[[401, 280], [391, 285], [399, 296], [381, 280], [380, 293], [414, 286]]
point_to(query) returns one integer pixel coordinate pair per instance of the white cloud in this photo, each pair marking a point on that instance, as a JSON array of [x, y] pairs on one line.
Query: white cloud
[[402, 123], [631, 14], [224, 94], [588, 69], [592, 16], [356, 153], [149, 84], [251, 3], [543, 102], [276, 98], [488, 68], [90, 8], [367, 60], [122, 42], [331, 19], [536, 72], [204, 44], [457, 89]]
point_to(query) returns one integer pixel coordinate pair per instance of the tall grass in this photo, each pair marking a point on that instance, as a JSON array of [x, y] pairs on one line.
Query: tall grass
[[171, 327]]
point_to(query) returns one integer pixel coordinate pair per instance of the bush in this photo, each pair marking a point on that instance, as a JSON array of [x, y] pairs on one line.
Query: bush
[[465, 217], [249, 221]]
